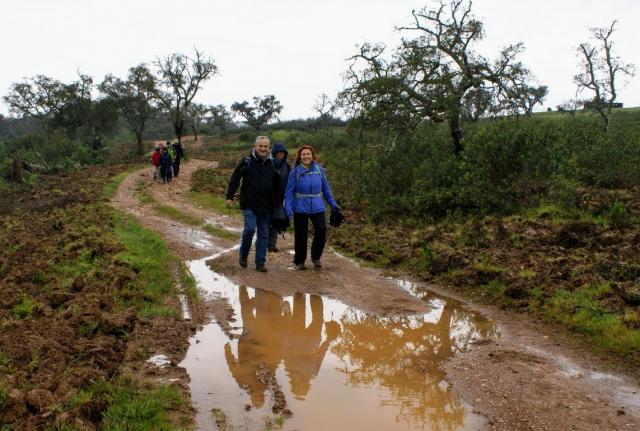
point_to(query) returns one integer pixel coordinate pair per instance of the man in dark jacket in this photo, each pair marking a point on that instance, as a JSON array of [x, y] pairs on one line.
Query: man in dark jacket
[[279, 153], [179, 154], [260, 191]]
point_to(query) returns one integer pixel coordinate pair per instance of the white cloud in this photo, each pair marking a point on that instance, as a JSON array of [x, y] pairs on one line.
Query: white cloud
[[293, 49]]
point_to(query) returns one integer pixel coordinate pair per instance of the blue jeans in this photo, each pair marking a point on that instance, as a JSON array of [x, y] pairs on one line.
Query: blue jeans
[[251, 222]]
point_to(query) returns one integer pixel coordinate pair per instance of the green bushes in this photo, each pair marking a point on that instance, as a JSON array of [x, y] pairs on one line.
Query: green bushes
[[507, 164]]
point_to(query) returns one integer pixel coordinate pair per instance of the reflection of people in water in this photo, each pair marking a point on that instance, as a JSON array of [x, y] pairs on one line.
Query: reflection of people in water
[[260, 345], [274, 333], [304, 353]]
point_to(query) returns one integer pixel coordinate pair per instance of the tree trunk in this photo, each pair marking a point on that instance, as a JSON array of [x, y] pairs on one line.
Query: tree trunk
[[605, 120], [177, 128], [139, 145], [16, 168], [456, 134]]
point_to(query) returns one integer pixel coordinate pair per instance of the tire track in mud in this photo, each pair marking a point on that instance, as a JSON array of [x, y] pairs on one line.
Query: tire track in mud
[[522, 381]]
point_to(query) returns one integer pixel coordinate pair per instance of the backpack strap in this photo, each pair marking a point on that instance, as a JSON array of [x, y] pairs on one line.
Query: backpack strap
[[317, 169], [247, 161]]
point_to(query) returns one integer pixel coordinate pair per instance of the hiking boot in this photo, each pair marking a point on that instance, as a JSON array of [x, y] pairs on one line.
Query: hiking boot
[[317, 264], [273, 249], [243, 261], [300, 266], [261, 268]]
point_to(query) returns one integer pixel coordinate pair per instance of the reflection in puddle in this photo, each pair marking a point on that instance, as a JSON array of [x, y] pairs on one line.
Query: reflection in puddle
[[329, 365]]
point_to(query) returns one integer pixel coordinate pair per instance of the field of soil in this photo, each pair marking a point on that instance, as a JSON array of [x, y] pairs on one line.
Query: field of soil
[[64, 325]]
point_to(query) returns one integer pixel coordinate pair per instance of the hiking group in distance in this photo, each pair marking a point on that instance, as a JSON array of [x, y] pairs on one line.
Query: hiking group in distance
[[166, 161]]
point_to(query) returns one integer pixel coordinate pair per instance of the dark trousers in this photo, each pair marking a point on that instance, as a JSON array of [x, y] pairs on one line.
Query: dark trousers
[[165, 172], [273, 237], [176, 168], [301, 229]]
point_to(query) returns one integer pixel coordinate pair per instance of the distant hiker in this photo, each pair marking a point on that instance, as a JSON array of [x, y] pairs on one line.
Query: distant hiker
[[165, 165], [178, 155], [172, 152], [155, 161], [261, 190], [303, 201], [279, 221]]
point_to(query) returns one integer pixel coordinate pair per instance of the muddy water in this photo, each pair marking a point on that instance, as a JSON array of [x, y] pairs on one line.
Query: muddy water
[[305, 362]]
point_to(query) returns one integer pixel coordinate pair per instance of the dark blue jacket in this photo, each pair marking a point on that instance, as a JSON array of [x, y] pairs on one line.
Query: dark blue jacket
[[165, 160], [305, 190]]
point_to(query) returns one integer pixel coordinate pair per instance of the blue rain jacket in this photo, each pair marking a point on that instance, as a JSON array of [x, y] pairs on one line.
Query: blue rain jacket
[[305, 190]]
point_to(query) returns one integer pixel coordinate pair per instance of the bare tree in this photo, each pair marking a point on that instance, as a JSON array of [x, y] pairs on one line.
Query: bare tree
[[182, 77], [325, 108], [219, 118], [136, 98], [600, 70], [196, 114], [428, 77], [40, 97], [260, 113]]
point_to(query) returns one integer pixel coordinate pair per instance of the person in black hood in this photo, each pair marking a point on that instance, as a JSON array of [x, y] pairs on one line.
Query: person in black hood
[[261, 191], [179, 154], [280, 154]]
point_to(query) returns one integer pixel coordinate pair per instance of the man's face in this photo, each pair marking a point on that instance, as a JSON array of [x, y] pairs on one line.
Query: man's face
[[262, 148], [280, 155]]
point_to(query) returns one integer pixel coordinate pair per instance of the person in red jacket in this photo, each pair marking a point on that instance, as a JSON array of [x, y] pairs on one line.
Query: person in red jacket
[[155, 161]]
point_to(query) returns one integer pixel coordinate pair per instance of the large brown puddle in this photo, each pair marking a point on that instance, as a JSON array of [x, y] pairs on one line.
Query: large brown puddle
[[305, 362]]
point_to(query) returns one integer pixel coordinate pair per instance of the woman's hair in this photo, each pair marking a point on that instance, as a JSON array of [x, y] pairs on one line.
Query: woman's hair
[[299, 153]]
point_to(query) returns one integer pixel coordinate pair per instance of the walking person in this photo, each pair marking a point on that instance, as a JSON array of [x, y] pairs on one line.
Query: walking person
[[178, 155], [165, 165], [155, 161], [303, 201], [261, 190], [280, 154]]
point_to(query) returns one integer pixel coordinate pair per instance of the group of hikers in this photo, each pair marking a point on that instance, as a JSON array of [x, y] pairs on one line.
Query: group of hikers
[[272, 192], [166, 161]]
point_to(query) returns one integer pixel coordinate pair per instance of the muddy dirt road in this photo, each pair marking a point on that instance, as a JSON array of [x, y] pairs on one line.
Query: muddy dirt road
[[346, 348]]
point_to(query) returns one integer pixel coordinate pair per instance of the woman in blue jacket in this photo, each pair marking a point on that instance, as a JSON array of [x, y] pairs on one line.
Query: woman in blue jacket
[[306, 187]]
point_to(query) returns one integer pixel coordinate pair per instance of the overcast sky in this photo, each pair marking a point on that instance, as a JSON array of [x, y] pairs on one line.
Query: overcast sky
[[294, 49]]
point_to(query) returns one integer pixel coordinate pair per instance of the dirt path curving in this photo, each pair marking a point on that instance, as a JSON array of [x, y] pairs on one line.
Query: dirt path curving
[[524, 380]]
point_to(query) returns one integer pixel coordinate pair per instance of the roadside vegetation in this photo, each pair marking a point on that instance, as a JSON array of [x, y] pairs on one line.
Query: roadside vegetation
[[83, 289], [537, 215]]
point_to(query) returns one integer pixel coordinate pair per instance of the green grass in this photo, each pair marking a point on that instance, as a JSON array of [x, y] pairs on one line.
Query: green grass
[[112, 186], [213, 202], [582, 312], [189, 284], [178, 215], [4, 360], [132, 405], [144, 197], [527, 274], [496, 288], [219, 232], [24, 308], [148, 255]]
